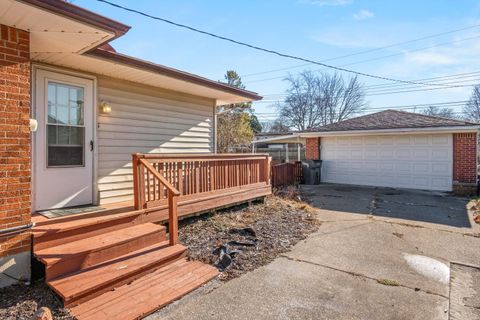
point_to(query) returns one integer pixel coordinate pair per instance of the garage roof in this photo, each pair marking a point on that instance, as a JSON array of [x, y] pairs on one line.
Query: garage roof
[[392, 119], [383, 122]]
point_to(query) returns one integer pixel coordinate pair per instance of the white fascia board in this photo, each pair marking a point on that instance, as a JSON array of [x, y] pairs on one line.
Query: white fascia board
[[290, 138], [453, 129]]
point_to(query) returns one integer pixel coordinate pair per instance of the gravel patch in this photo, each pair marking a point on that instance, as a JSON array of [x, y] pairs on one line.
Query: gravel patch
[[19, 302], [278, 224]]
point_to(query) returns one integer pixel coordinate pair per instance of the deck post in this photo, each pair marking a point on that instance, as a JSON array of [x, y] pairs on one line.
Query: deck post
[[268, 169], [136, 186], [172, 218]]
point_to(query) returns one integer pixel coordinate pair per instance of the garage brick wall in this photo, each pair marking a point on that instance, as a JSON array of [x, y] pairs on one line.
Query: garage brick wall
[[312, 149], [464, 157], [15, 192]]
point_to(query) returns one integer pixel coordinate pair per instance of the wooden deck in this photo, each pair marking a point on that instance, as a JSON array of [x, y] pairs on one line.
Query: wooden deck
[[115, 263]]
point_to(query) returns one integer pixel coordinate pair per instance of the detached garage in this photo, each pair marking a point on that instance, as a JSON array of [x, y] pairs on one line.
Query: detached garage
[[395, 149]]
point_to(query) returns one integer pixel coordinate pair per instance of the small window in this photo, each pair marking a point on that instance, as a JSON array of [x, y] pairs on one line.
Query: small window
[[65, 125]]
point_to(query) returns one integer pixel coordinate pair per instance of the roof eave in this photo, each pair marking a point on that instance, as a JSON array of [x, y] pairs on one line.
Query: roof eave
[[284, 138], [74, 12], [443, 129], [174, 73]]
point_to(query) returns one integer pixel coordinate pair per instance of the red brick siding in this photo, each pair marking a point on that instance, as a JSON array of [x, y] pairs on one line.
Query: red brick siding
[[312, 149], [15, 194], [464, 157]]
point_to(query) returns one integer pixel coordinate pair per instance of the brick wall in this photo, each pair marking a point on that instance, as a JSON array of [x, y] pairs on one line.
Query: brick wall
[[312, 149], [15, 198], [464, 157]]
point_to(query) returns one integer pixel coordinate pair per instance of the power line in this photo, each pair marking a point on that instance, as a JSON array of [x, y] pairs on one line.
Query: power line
[[392, 87], [470, 83], [438, 104], [244, 44], [376, 58], [380, 93], [367, 51], [437, 79]]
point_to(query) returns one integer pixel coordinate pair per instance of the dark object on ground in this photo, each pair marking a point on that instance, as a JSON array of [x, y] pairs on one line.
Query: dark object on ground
[[276, 226], [22, 301], [43, 314], [226, 255], [248, 231]]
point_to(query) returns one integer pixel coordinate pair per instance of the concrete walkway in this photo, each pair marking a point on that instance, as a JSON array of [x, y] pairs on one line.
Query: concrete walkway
[[379, 254]]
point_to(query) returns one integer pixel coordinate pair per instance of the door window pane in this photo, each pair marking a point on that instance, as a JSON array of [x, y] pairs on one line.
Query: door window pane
[[62, 114], [76, 136], [52, 135], [63, 135], [62, 95], [65, 156], [65, 128], [52, 91]]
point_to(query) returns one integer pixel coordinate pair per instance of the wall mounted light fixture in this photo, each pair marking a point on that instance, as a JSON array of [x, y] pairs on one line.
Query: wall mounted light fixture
[[105, 107], [33, 125]]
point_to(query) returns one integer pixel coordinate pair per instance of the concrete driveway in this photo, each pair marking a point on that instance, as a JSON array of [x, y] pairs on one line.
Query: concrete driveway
[[379, 254]]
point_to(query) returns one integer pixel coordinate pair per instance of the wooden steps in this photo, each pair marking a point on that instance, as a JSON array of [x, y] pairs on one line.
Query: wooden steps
[[115, 266], [86, 284], [80, 227], [147, 294], [83, 253]]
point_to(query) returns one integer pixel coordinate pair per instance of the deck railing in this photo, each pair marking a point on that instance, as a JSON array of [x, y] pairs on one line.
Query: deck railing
[[147, 180], [161, 178]]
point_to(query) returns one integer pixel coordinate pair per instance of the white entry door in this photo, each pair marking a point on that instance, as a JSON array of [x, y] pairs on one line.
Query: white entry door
[[417, 161], [63, 143]]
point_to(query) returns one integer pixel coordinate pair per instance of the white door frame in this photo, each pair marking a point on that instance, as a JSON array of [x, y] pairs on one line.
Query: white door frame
[[33, 113]]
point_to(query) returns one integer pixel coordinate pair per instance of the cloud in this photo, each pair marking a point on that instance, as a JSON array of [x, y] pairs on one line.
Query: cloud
[[430, 58], [363, 14], [323, 3]]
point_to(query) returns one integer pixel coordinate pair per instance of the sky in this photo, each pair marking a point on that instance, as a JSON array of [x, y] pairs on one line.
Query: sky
[[318, 30]]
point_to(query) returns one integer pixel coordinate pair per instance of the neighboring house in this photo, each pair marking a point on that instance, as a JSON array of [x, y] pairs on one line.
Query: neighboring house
[[394, 149], [91, 108]]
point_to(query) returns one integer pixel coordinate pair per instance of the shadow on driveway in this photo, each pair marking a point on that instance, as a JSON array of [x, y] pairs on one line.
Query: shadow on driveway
[[415, 205]]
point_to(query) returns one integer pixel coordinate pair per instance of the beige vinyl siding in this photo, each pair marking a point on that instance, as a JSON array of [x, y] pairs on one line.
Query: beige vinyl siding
[[146, 120]]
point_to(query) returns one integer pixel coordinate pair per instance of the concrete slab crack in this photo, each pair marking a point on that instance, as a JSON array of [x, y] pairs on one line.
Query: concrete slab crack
[[357, 274], [317, 235], [405, 224], [373, 203]]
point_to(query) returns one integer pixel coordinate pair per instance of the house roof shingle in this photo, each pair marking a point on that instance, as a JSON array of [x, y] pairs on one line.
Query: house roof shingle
[[392, 119]]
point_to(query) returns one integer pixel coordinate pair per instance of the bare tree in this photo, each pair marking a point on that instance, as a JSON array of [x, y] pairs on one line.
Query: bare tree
[[275, 126], [439, 112], [472, 108], [314, 100]]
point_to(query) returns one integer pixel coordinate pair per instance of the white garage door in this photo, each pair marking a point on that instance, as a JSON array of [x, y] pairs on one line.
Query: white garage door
[[421, 161]]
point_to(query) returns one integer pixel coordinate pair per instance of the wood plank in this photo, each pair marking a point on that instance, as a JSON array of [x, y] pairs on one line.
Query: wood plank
[[199, 205], [86, 284], [147, 294], [172, 218], [72, 256]]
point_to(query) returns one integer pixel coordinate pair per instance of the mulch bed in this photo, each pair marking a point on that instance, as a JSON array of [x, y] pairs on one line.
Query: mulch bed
[[19, 302], [278, 224]]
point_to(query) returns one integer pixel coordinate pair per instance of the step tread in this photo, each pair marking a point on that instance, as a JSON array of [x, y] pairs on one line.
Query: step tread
[[79, 283], [54, 254], [148, 293], [64, 226]]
